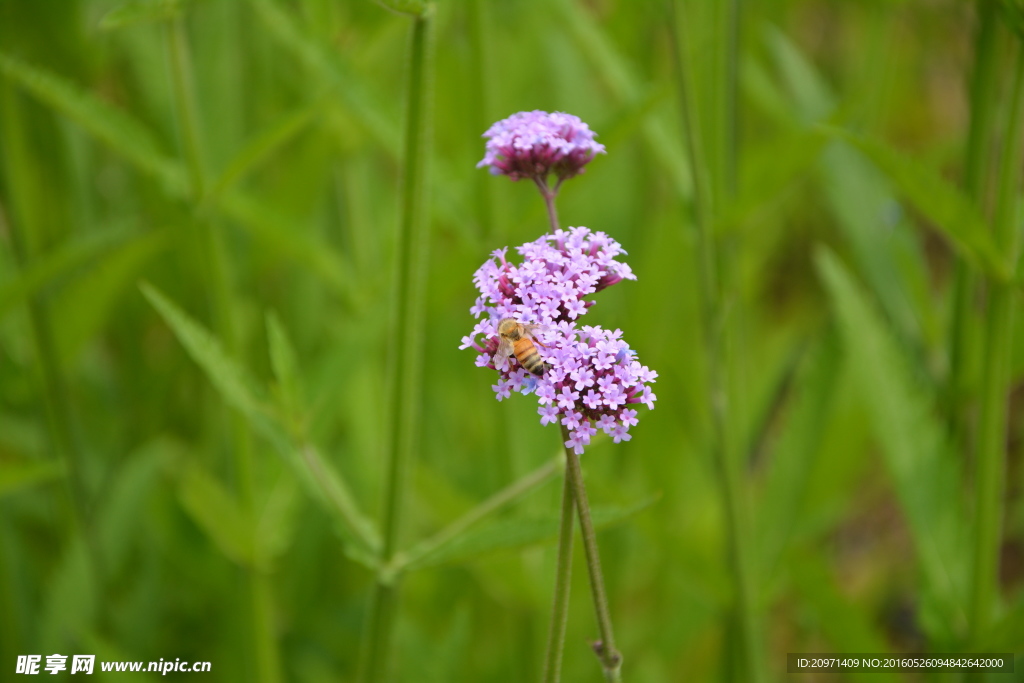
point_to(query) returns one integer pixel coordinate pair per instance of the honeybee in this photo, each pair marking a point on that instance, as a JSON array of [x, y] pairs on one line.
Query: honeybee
[[518, 338]]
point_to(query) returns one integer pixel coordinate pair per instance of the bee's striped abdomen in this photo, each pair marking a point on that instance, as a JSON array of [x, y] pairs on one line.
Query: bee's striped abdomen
[[526, 354]]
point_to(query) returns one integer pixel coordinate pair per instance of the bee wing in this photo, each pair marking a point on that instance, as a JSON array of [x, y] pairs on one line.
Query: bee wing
[[529, 330], [504, 351]]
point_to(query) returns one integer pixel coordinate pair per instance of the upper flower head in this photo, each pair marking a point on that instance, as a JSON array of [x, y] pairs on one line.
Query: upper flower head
[[532, 144]]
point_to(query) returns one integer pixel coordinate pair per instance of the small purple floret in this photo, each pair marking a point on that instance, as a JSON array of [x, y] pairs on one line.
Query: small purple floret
[[533, 144], [549, 285], [593, 379]]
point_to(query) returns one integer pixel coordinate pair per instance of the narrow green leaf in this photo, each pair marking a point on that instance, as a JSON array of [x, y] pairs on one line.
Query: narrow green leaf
[[278, 520], [845, 626], [943, 203], [84, 306], [70, 602], [328, 65], [121, 517], [912, 439], [328, 486], [1005, 634], [1013, 13], [767, 171], [793, 458], [262, 146], [241, 392], [140, 12], [15, 476], [111, 125], [411, 8], [860, 199], [279, 235], [516, 533], [618, 74], [217, 513], [54, 266], [285, 365], [235, 385], [808, 90]]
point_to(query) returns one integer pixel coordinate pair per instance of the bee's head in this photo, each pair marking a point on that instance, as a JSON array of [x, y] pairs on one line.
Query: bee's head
[[507, 326]]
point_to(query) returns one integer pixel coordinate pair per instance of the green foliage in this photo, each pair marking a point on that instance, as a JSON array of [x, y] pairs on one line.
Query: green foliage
[[125, 529], [516, 533], [943, 203], [913, 442], [111, 125], [141, 12]]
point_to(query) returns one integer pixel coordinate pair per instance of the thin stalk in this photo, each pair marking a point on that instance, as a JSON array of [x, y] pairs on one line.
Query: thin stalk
[[405, 379], [560, 601], [483, 77], [59, 414], [216, 274], [982, 111], [549, 194], [728, 470], [996, 378], [611, 660]]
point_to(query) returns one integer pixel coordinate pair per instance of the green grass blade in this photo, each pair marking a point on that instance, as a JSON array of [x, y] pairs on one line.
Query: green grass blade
[[140, 12], [217, 513], [235, 385], [16, 476], [799, 444], [262, 146], [337, 495], [924, 474], [53, 266], [836, 618], [328, 66], [285, 365], [121, 516], [279, 236], [241, 392], [808, 90], [120, 131], [943, 203], [412, 8], [87, 304]]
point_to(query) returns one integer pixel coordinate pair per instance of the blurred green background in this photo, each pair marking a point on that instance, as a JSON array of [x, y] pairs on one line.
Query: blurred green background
[[122, 528]]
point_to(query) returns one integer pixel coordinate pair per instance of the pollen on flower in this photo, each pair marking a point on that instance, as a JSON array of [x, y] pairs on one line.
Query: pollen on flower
[[533, 144]]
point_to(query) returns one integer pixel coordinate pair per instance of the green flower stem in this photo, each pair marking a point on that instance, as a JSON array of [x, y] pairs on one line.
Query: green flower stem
[[982, 112], [216, 273], [611, 660], [549, 194], [19, 225], [992, 424], [404, 381], [560, 602], [728, 470]]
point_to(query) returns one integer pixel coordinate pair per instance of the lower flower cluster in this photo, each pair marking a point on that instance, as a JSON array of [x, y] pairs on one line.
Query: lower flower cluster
[[593, 380]]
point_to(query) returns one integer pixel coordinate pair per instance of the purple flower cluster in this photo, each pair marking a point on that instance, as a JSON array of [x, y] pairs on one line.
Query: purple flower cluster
[[532, 144], [549, 285], [593, 380]]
